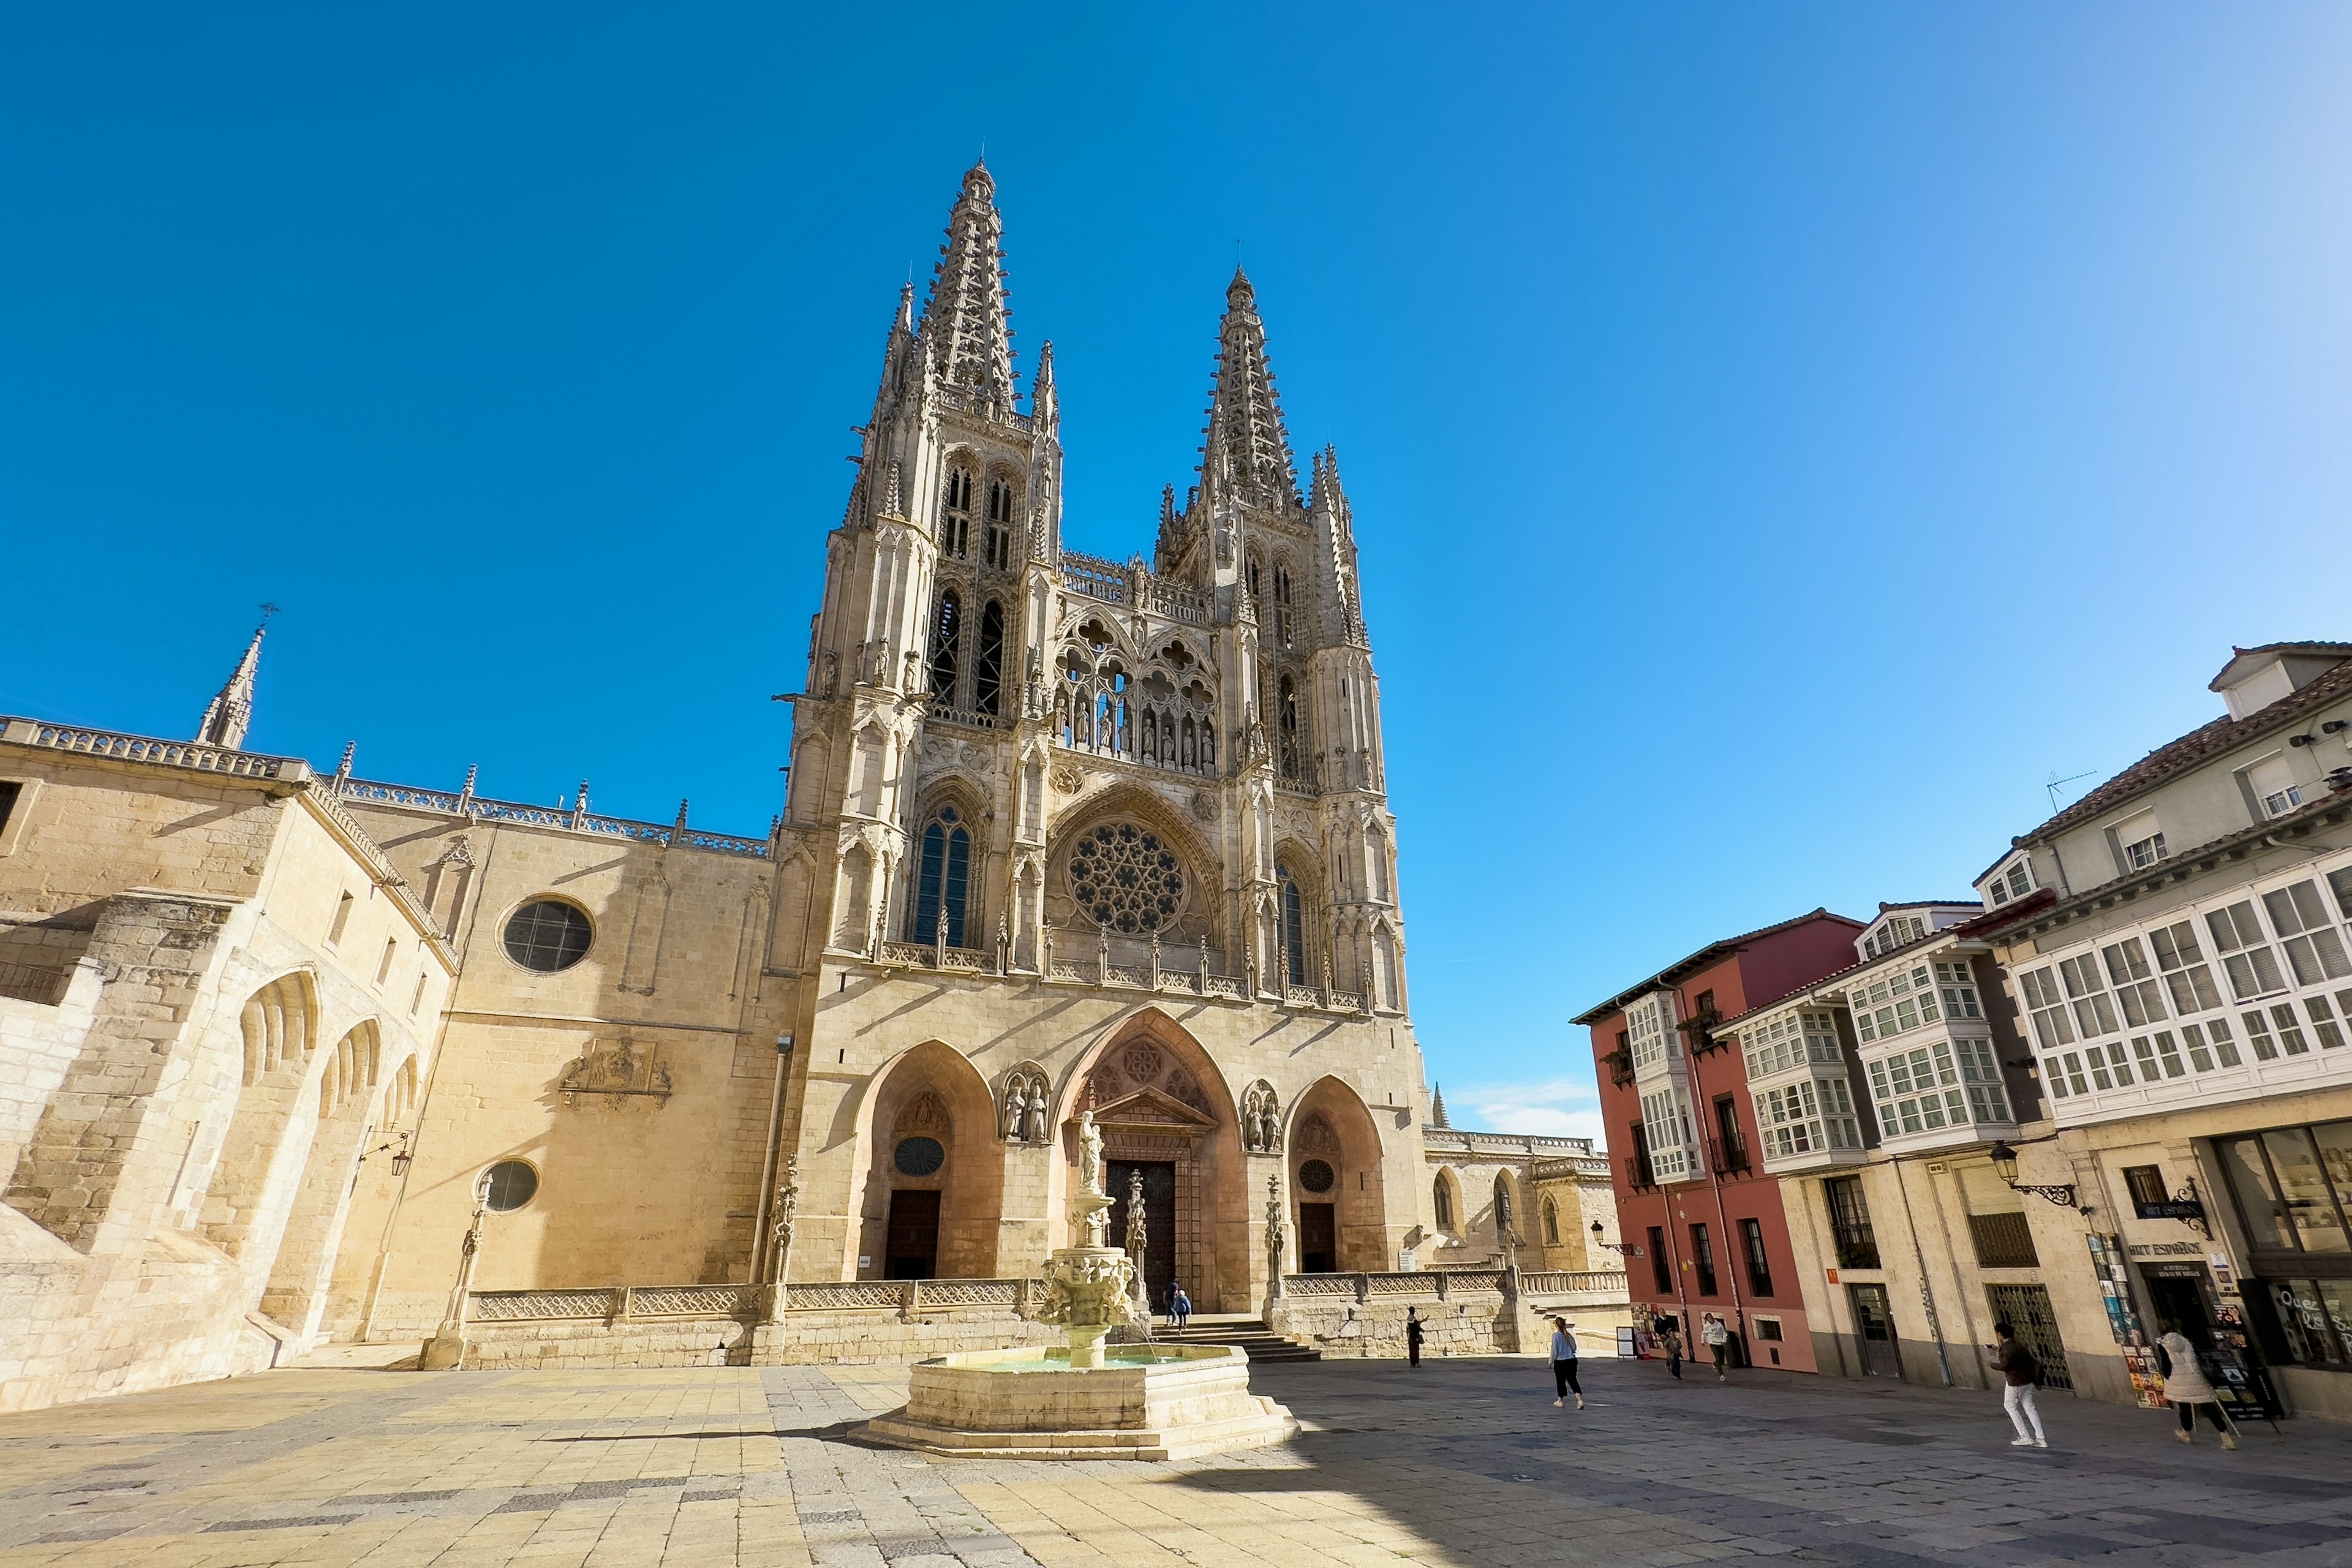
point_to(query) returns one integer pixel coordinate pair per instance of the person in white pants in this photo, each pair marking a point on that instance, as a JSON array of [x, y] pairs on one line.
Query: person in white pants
[[2018, 1369]]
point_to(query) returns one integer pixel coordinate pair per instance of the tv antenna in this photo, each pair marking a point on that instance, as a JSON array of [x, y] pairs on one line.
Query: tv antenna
[[2057, 784]]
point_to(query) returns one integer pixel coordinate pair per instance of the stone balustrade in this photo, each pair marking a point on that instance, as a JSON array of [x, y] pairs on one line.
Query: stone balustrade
[[192, 755], [465, 802]]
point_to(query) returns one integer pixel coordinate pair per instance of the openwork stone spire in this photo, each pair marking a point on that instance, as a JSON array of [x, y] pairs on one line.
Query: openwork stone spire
[[1247, 447], [1437, 1105], [966, 324], [230, 713]]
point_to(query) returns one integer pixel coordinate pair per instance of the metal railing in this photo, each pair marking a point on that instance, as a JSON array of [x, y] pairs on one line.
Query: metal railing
[[2002, 1241], [1726, 1156]]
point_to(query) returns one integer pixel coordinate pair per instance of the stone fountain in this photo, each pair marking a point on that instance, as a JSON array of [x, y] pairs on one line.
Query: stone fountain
[[1083, 1400]]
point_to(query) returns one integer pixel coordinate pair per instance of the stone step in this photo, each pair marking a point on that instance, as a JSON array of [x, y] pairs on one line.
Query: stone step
[[1255, 1340]]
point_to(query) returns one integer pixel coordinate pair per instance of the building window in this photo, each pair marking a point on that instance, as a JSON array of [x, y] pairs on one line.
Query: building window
[[947, 638], [941, 877], [508, 1185], [1792, 1039], [918, 1156], [343, 918], [1857, 1247], [1662, 1271], [2136, 988], [2271, 783], [1951, 1083], [1282, 606], [1807, 1117], [1895, 1004], [955, 514], [1441, 1200], [2252, 967], [1125, 880], [1651, 1027], [2046, 1008], [1551, 1223], [547, 935], [1665, 1119], [2140, 841], [2013, 883], [2182, 965], [999, 524], [2314, 950], [2146, 1184], [1759, 1262], [1318, 1177], [1293, 760], [988, 672], [2002, 1241], [1956, 983], [1703, 1260], [1294, 926], [1767, 1329]]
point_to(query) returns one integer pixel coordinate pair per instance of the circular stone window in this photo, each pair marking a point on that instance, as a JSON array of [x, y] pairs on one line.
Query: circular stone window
[[1318, 1177], [919, 1156], [1126, 879], [508, 1185], [548, 934]]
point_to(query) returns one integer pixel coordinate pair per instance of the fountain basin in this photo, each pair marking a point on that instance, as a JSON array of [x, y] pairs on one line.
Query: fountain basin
[[1145, 1402]]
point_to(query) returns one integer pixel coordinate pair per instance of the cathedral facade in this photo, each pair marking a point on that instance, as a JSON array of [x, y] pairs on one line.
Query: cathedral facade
[[1060, 833]]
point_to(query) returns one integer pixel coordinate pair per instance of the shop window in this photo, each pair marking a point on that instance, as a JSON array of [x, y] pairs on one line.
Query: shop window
[[2146, 1184]]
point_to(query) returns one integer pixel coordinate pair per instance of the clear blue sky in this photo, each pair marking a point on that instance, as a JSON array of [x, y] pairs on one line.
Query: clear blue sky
[[1781, 437]]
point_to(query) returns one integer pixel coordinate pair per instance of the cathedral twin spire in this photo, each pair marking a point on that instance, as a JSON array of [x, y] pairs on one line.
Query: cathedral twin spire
[[967, 337]]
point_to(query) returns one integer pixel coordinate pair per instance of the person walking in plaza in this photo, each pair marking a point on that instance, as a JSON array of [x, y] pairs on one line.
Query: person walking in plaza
[[1563, 1363], [1179, 1306], [1671, 1338], [1717, 1340], [2019, 1372], [2186, 1386], [1414, 1330]]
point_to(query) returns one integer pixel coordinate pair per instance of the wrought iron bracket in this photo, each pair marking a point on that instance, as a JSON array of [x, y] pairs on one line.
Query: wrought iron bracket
[[2063, 1196]]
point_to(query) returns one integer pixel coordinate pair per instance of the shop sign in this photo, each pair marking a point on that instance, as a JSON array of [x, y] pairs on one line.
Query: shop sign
[[2175, 1208], [2165, 1249]]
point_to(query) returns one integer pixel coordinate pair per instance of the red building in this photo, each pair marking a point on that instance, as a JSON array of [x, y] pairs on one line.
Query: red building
[[1703, 1227]]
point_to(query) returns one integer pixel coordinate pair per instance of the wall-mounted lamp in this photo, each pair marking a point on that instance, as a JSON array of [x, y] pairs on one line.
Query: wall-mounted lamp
[[2298, 740], [401, 1156], [2336, 726], [1616, 1247], [2004, 1166]]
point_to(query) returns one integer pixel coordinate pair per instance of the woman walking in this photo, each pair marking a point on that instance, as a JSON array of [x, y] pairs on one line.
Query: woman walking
[[1563, 1363], [2186, 1387]]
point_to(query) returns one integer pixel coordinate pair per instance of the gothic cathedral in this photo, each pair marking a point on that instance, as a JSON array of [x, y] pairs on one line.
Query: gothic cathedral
[[1064, 832]]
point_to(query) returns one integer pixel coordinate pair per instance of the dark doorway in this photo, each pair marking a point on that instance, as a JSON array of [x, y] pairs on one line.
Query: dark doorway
[[2177, 1291], [2026, 1309], [911, 1249], [1874, 1331], [1159, 1221], [1319, 1239]]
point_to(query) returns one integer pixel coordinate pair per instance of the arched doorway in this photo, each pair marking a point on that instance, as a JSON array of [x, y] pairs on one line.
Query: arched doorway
[[934, 1171], [1338, 1196], [1167, 1118]]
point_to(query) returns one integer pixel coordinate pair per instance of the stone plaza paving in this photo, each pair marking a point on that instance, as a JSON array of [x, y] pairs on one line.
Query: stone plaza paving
[[1461, 1462]]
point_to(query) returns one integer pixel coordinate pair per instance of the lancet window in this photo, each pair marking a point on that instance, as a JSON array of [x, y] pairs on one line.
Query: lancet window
[[942, 876], [999, 524], [946, 639], [988, 670], [1287, 714], [1293, 926], [1282, 605], [955, 513]]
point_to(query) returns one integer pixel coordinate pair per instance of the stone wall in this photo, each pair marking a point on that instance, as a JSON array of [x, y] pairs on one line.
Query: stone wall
[[824, 1337]]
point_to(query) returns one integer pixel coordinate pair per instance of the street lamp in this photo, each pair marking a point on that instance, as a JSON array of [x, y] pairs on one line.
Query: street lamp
[[1616, 1247], [2004, 1166]]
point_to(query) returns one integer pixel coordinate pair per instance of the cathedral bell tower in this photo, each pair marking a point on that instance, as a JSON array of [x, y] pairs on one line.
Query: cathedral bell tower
[[934, 580]]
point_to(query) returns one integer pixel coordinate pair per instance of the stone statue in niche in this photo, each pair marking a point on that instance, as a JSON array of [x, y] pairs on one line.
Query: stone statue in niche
[[1261, 1118], [1036, 1113], [1024, 1104]]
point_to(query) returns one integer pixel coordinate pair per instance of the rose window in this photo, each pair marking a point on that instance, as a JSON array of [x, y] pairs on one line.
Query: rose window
[[1126, 879]]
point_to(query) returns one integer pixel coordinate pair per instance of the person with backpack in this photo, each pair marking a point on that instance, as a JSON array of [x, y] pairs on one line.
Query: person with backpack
[[2020, 1371], [2187, 1388], [1563, 1363], [1180, 1307]]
